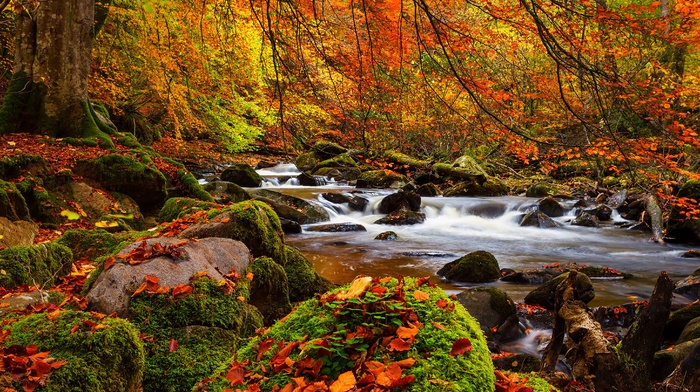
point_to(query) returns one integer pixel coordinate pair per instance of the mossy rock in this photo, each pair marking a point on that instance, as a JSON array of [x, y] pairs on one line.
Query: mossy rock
[[304, 282], [35, 264], [12, 203], [665, 361], [192, 187], [469, 164], [569, 169], [252, 222], [489, 305], [342, 160], [176, 207], [291, 207], [475, 267], [44, 206], [545, 294], [339, 333], [691, 331], [242, 174], [541, 189], [11, 167], [89, 243], [679, 319], [381, 179], [108, 358], [327, 149], [387, 236], [224, 192], [690, 189], [307, 161], [207, 324], [269, 289], [125, 174]]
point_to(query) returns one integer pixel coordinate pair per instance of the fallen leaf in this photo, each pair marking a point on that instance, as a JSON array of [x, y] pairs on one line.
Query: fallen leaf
[[406, 363], [461, 346], [139, 290], [344, 383], [399, 345], [250, 276], [173, 345], [406, 333], [263, 347], [109, 263], [420, 296], [441, 303], [181, 289], [357, 288]]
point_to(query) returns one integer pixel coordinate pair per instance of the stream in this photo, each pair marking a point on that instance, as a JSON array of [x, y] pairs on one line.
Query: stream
[[456, 226]]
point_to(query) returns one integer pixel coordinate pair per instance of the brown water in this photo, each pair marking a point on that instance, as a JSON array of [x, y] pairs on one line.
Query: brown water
[[457, 226]]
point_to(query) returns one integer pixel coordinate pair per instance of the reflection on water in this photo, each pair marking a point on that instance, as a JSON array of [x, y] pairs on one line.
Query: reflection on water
[[457, 226]]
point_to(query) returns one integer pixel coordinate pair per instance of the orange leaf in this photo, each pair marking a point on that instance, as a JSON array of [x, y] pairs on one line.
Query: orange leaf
[[406, 363], [406, 333], [249, 275], [420, 296], [173, 345], [374, 367], [181, 289], [139, 290], [344, 383], [109, 263], [226, 220], [264, 347], [399, 345], [441, 303], [461, 346], [4, 304]]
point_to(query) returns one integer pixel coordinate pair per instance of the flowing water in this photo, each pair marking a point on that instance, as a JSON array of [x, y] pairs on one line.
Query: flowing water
[[460, 225]]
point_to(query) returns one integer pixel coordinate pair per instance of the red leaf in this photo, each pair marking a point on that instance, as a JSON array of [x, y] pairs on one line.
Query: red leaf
[[424, 280], [461, 346], [235, 374], [441, 303], [109, 263], [264, 347], [40, 368], [173, 345]]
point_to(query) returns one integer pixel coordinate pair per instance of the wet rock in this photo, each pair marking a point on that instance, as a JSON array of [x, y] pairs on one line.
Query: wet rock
[[358, 203], [519, 362], [492, 307], [537, 219], [307, 160], [541, 189], [399, 201], [692, 254], [687, 230], [621, 316], [545, 294], [475, 267], [686, 376], [585, 219], [242, 174], [428, 190], [224, 192], [311, 180], [690, 285], [601, 212], [337, 228], [290, 207], [490, 187], [488, 209], [387, 236], [112, 290], [679, 319], [551, 207], [665, 361], [529, 277], [290, 226], [399, 218], [335, 198], [18, 233], [536, 316], [691, 331], [617, 200]]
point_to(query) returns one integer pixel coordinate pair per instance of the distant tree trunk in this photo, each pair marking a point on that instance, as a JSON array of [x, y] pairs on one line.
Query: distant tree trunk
[[48, 93]]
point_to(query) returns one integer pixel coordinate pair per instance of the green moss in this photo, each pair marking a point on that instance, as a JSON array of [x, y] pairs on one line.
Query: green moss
[[43, 205], [690, 189], [381, 178], [342, 160], [207, 324], [20, 107], [679, 319], [192, 186], [129, 140], [545, 294], [315, 321], [176, 207], [537, 383], [89, 243], [269, 289], [475, 267], [255, 224], [11, 167], [328, 149], [109, 358], [35, 264], [94, 128], [304, 281], [306, 161], [12, 203]]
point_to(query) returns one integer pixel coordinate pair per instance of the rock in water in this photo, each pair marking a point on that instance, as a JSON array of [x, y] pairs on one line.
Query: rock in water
[[475, 267]]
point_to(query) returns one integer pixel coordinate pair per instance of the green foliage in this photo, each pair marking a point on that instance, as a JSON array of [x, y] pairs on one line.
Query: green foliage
[[108, 358], [35, 264]]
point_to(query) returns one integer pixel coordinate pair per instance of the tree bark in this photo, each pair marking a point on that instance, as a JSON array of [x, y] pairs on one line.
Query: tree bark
[[48, 93]]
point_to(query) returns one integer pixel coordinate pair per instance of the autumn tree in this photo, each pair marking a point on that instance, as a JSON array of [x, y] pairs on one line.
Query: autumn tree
[[48, 92]]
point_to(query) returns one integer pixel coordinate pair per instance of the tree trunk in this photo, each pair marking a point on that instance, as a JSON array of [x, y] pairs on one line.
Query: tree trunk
[[49, 86]]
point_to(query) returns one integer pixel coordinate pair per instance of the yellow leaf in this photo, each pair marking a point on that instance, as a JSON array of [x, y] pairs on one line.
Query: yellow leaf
[[106, 224], [420, 296], [357, 288], [70, 215]]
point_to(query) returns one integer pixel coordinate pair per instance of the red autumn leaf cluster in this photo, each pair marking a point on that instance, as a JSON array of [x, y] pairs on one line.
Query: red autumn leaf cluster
[[145, 252], [511, 382], [27, 365]]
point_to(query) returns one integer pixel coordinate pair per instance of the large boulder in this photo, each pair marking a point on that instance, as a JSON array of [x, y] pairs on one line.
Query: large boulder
[[307, 160], [400, 200], [34, 265], [494, 310], [12, 203], [242, 174], [327, 149], [475, 267], [224, 192], [551, 207], [18, 233], [269, 290], [291, 207], [585, 219], [381, 179], [101, 354], [338, 161], [545, 294], [402, 217], [539, 219], [127, 175], [407, 334], [252, 222], [304, 282], [112, 290], [176, 207]]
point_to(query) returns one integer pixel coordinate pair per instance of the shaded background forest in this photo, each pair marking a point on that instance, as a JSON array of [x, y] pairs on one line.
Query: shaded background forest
[[613, 85]]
